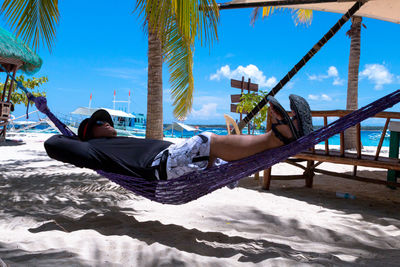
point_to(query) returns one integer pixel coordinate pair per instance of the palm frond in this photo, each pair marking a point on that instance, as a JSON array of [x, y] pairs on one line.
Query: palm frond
[[33, 20], [300, 16], [179, 55], [177, 24]]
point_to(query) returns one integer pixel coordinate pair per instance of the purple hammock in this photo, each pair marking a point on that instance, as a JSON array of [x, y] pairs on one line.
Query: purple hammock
[[199, 183]]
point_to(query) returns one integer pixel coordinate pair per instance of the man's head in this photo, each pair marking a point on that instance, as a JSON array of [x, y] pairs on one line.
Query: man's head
[[98, 125]]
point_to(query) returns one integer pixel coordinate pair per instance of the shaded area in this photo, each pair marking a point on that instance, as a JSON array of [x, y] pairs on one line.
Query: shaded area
[[10, 142], [79, 201], [52, 257], [198, 242]]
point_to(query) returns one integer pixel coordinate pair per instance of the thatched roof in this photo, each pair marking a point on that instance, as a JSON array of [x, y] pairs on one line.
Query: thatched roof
[[16, 52]]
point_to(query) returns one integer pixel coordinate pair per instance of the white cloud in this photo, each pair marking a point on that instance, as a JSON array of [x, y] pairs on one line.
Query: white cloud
[[206, 111], [322, 97], [325, 97], [377, 74], [332, 72], [271, 81], [250, 71], [338, 81]]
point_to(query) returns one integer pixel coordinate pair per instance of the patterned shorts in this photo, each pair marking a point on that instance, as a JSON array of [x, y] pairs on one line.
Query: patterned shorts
[[190, 155]]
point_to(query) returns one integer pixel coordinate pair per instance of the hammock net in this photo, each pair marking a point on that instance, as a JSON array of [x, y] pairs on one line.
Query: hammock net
[[196, 184]]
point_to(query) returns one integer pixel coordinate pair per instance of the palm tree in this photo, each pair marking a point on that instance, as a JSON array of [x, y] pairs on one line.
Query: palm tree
[[172, 27], [350, 135]]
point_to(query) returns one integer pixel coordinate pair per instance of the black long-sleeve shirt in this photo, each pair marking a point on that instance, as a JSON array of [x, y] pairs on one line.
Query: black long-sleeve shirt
[[122, 155]]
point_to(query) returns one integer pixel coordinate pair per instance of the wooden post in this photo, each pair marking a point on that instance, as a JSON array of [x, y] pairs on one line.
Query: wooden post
[[358, 145], [326, 141], [342, 144], [4, 89], [378, 150], [393, 151], [12, 84], [6, 105], [242, 85], [309, 173]]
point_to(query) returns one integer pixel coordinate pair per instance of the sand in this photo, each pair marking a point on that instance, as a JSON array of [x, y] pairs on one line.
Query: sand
[[54, 214]]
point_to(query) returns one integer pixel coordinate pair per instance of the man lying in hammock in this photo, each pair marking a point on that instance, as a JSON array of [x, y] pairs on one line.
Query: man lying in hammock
[[99, 148]]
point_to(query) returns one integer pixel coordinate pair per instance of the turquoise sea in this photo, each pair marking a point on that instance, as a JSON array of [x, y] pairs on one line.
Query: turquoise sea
[[368, 137]]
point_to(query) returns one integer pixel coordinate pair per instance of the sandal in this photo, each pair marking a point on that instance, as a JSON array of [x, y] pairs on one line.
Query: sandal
[[285, 121], [302, 114]]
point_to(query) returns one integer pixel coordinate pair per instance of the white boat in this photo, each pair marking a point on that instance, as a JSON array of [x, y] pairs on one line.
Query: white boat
[[182, 128], [126, 124], [15, 125], [377, 136]]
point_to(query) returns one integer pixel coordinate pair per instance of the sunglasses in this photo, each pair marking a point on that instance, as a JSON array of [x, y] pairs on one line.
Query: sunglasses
[[100, 123]]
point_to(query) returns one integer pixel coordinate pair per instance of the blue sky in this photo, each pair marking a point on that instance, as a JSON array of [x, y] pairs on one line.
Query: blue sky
[[101, 47]]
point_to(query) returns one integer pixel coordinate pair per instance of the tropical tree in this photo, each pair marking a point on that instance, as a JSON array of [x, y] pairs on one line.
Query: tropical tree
[[350, 135], [172, 27], [34, 84], [248, 102]]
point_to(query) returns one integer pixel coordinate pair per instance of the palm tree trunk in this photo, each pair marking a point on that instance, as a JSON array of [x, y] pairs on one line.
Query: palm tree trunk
[[350, 135], [154, 128]]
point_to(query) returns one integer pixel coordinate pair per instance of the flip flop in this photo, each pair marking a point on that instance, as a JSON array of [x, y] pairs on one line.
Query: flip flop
[[285, 121], [303, 114]]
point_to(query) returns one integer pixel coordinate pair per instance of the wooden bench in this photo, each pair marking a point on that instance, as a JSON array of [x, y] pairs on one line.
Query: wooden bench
[[315, 157]]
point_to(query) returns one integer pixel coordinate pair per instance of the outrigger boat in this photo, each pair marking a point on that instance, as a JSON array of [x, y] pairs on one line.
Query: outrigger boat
[[126, 124]]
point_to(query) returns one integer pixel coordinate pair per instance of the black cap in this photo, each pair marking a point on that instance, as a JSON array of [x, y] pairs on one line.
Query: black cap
[[86, 126]]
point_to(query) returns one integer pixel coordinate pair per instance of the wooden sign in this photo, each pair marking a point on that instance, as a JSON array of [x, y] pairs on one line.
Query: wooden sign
[[244, 85], [5, 108], [235, 98], [233, 109]]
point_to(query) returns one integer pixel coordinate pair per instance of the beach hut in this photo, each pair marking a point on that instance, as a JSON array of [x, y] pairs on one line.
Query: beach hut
[[14, 56], [179, 126]]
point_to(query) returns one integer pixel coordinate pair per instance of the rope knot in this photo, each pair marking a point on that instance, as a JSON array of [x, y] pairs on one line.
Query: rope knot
[[41, 104]]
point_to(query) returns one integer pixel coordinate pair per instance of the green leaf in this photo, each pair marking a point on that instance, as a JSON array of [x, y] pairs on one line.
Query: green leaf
[[33, 20], [18, 96]]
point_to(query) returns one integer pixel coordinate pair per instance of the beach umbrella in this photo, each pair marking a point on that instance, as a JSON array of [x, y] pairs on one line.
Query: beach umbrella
[[388, 10]]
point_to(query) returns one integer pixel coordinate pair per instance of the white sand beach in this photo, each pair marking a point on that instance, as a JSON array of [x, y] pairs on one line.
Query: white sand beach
[[55, 214]]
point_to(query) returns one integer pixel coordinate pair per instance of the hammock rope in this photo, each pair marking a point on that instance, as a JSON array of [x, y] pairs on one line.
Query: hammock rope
[[199, 183]]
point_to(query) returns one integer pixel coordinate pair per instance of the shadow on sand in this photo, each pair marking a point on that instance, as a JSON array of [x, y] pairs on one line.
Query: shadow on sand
[[88, 201]]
